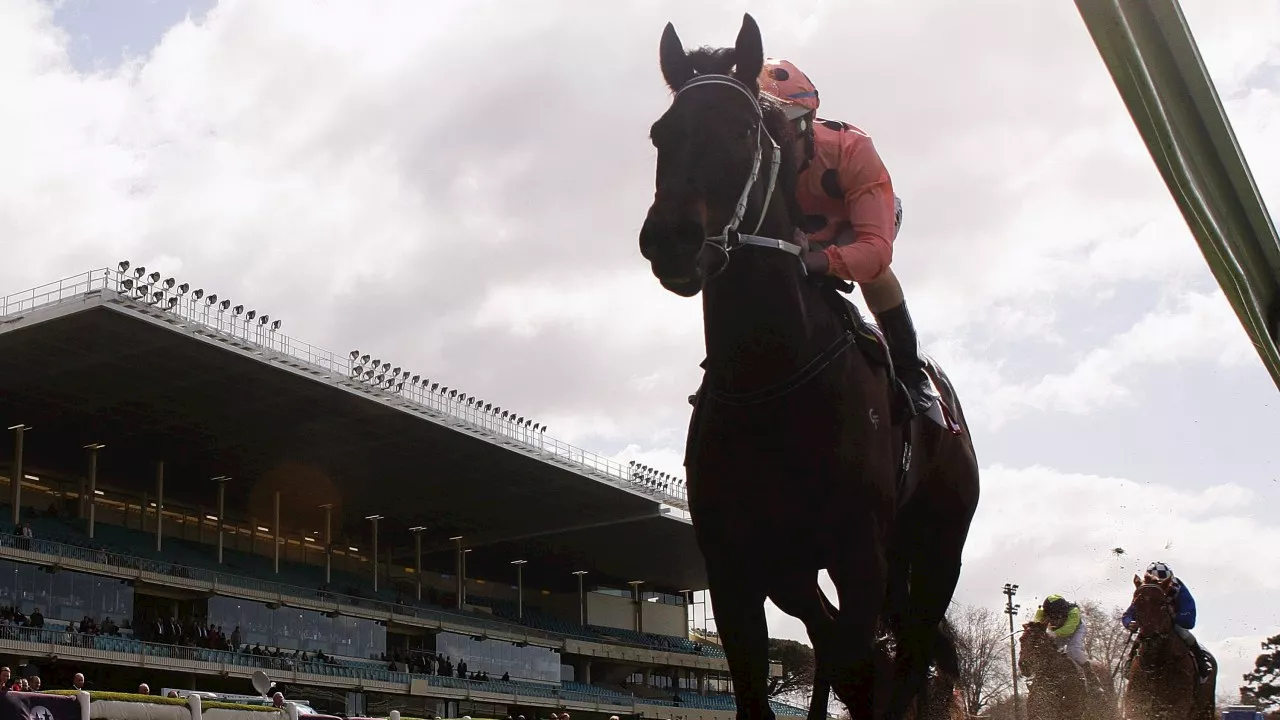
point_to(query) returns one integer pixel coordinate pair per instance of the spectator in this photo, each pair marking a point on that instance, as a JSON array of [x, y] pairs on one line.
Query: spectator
[[278, 700], [34, 682], [172, 694], [77, 681], [144, 689], [37, 618]]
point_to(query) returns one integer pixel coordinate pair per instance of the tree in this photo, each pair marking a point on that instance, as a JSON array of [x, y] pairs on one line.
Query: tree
[[1108, 640], [982, 642], [796, 659], [1262, 684]]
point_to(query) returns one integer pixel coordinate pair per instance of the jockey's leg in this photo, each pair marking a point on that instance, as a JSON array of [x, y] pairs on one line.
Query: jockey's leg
[[1202, 662], [885, 300]]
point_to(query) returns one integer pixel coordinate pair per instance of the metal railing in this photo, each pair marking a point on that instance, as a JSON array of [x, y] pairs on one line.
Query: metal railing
[[358, 671], [228, 583], [218, 318]]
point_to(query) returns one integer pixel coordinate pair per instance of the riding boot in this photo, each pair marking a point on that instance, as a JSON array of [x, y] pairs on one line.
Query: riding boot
[[904, 351], [1202, 663]]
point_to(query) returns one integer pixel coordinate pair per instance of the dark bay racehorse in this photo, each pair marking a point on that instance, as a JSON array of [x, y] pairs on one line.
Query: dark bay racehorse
[[794, 464], [1163, 682], [1058, 689]]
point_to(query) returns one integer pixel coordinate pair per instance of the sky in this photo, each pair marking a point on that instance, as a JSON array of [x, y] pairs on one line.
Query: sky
[[459, 185]]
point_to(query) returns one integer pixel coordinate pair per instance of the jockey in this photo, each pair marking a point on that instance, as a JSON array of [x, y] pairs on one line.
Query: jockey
[[1184, 609], [1066, 626], [852, 217]]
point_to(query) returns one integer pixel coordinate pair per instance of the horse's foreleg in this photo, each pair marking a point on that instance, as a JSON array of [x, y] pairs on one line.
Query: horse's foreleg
[[932, 587], [860, 582], [737, 597], [799, 596]]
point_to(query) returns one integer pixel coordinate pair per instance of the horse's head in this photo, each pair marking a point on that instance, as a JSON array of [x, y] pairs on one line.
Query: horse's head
[[718, 157], [1153, 607], [1033, 644]]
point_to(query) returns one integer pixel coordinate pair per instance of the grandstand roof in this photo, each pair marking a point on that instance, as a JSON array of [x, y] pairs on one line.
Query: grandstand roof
[[86, 364]]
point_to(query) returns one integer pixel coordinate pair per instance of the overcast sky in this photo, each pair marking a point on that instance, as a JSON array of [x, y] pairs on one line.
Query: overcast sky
[[458, 186]]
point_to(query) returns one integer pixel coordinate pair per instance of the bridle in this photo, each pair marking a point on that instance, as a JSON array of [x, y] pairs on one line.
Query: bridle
[[729, 238], [1165, 606]]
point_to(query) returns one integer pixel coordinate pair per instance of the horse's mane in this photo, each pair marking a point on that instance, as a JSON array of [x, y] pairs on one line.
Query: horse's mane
[[722, 61]]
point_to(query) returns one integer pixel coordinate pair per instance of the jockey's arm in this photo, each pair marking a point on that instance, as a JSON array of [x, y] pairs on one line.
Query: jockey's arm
[[868, 199], [1127, 619], [1185, 609]]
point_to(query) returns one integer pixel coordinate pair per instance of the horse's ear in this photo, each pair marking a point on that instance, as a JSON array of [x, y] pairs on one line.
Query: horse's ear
[[1137, 581], [1167, 585], [676, 68], [748, 52]]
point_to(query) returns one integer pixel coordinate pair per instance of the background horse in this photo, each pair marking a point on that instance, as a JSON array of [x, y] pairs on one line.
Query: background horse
[[793, 462], [1059, 690], [1163, 682]]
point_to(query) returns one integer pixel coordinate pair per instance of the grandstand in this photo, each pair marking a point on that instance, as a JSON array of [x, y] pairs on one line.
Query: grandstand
[[202, 496]]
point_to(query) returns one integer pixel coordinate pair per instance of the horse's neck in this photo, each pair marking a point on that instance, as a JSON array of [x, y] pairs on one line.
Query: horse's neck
[[762, 321]]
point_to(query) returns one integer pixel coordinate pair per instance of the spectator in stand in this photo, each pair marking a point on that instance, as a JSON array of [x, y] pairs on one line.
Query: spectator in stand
[[77, 681], [37, 618], [144, 689], [6, 677], [34, 682], [278, 700], [172, 694], [235, 639]]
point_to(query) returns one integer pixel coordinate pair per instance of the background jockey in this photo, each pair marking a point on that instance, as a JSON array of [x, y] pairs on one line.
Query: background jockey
[[1066, 625], [852, 217], [1184, 609]]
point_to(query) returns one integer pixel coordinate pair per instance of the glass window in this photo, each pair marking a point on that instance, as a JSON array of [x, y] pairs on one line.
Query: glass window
[[497, 657]]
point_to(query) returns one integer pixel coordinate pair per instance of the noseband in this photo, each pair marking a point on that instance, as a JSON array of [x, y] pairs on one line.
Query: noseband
[[729, 238]]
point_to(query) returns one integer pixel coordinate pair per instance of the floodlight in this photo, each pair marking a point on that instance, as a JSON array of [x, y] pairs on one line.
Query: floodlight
[[414, 380], [212, 299], [139, 272], [172, 302], [183, 288], [157, 296], [396, 371], [251, 314], [275, 325], [224, 305], [124, 265], [237, 309], [355, 354], [168, 283], [264, 319], [199, 293], [364, 359], [154, 277], [434, 386], [127, 284]]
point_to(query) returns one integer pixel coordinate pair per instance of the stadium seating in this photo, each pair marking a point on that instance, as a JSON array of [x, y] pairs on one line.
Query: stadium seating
[[244, 569]]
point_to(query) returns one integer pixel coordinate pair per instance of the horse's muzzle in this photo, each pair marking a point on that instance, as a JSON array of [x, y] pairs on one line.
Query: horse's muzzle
[[674, 253]]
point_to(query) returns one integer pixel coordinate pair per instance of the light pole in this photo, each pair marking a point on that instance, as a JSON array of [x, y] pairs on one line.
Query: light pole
[[582, 598], [222, 509], [459, 583], [519, 587], [374, 519], [93, 449], [417, 556], [1011, 610], [15, 481], [328, 543]]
